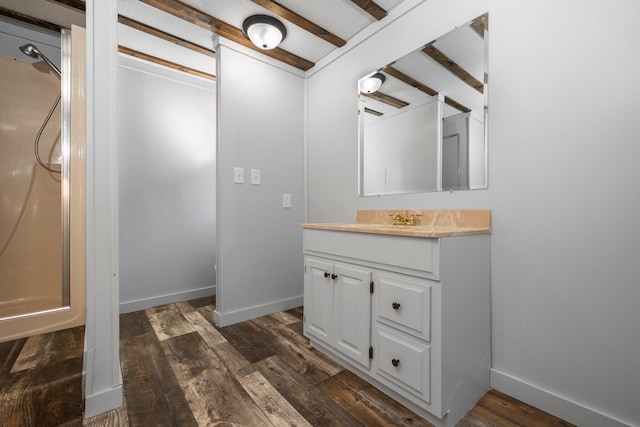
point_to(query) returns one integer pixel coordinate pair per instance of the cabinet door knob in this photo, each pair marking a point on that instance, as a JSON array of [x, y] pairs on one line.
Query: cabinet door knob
[[326, 274], [395, 305], [334, 276], [395, 362]]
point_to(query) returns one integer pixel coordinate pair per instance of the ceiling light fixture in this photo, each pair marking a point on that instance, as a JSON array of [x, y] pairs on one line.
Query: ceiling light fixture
[[372, 83], [264, 31]]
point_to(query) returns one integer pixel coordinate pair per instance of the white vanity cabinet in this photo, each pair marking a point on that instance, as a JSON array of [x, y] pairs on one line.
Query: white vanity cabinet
[[411, 315], [339, 306], [401, 333]]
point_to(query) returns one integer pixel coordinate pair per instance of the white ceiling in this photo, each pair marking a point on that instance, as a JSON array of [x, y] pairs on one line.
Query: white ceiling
[[341, 17]]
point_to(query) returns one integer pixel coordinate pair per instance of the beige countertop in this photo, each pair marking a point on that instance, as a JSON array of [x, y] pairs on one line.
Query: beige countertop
[[429, 223]]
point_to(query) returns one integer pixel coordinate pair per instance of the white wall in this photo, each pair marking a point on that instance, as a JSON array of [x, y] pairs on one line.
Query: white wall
[[562, 189], [260, 126], [166, 158], [398, 142]]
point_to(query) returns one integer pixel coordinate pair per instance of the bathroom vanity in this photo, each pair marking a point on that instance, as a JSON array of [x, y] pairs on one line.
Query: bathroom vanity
[[406, 307]]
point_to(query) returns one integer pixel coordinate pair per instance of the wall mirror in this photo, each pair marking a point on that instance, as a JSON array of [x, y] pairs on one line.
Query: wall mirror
[[422, 118]]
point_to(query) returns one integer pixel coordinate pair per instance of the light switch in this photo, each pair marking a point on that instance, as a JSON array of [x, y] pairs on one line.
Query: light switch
[[238, 175], [255, 176], [286, 200]]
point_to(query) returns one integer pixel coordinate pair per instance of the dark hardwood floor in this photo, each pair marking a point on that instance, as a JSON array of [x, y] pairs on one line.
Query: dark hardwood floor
[[41, 380], [179, 370]]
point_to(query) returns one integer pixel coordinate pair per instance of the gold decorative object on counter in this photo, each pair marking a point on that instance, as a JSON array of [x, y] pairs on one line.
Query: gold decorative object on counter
[[407, 219]]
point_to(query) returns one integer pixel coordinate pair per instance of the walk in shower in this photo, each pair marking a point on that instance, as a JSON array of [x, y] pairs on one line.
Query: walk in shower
[[41, 166]]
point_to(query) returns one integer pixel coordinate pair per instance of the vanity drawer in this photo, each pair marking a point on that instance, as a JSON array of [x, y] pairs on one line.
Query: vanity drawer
[[416, 253], [402, 363], [404, 303]]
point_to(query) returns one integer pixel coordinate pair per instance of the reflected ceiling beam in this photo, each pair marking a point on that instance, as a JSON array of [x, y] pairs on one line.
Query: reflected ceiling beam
[[374, 112], [387, 99], [456, 105], [409, 80], [74, 4], [169, 64], [450, 65], [372, 8], [480, 24], [211, 23], [300, 21], [30, 20], [422, 87], [165, 36]]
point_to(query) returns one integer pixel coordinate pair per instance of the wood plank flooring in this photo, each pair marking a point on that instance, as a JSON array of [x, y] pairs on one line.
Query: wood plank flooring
[[41, 380], [180, 370]]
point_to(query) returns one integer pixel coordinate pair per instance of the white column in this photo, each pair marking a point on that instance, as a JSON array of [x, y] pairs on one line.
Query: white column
[[103, 387]]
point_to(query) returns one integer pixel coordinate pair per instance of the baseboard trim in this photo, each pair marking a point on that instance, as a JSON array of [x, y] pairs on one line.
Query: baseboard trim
[[143, 304], [103, 401], [226, 319], [552, 403]]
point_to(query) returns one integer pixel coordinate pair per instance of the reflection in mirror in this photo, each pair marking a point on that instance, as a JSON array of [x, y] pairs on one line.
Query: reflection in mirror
[[422, 126]]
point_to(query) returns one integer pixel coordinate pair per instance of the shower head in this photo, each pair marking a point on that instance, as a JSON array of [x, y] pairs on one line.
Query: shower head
[[33, 52], [29, 50]]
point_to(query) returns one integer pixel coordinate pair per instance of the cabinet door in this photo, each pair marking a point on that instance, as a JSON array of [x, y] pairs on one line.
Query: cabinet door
[[402, 362], [404, 303], [352, 312], [318, 299]]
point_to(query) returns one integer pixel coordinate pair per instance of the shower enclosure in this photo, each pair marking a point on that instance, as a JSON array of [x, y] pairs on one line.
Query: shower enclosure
[[41, 166]]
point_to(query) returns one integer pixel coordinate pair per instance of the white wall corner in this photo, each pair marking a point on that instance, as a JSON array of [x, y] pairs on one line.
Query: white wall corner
[[226, 319], [221, 41], [103, 378], [548, 401], [155, 301]]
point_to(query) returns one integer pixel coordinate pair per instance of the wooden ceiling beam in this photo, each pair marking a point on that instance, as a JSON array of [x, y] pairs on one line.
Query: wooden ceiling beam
[[387, 99], [480, 24], [30, 20], [300, 21], [409, 80], [373, 112], [451, 65], [211, 23], [131, 52], [165, 36], [372, 8], [74, 4], [456, 105]]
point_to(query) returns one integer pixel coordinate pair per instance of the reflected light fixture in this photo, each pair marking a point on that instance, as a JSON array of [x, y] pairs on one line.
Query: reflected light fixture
[[264, 31], [372, 83]]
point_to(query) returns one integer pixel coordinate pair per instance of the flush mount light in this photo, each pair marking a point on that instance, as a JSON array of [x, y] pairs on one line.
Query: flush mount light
[[264, 31], [372, 83]]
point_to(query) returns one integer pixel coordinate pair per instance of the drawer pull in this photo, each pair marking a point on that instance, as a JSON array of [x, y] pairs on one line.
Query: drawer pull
[[334, 276], [326, 274], [395, 362], [395, 305]]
